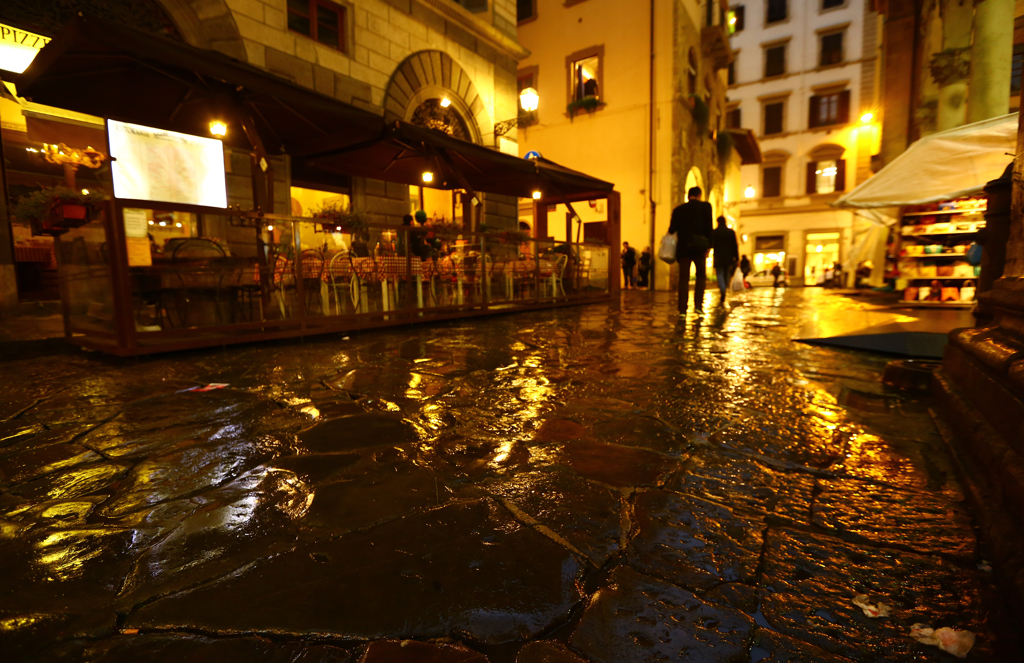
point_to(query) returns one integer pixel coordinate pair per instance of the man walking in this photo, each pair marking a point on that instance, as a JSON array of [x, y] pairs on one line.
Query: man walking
[[628, 263], [691, 222], [727, 252]]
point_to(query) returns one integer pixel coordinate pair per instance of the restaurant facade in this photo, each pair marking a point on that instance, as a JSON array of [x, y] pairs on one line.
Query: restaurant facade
[[259, 161]]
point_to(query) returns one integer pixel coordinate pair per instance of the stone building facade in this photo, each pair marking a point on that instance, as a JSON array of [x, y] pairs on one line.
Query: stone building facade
[[651, 69], [387, 56]]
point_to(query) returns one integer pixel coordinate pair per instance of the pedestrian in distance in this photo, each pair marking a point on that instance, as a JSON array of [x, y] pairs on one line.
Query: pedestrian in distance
[[644, 268], [691, 222], [628, 264], [744, 269], [726, 256], [776, 275]]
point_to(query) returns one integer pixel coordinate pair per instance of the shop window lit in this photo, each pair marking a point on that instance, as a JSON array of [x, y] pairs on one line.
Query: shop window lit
[[319, 20], [775, 61], [777, 11], [831, 49], [585, 74]]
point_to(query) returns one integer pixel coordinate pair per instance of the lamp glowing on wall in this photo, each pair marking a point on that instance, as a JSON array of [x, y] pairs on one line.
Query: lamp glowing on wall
[[218, 128], [536, 195], [749, 192], [867, 117], [428, 177], [446, 102], [529, 99], [270, 228]]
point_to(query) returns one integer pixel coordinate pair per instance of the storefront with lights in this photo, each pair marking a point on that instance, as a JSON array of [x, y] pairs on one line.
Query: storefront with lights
[[237, 203]]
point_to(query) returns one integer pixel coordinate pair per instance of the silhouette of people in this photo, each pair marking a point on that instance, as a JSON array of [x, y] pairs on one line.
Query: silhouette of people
[[628, 264], [726, 254], [691, 222]]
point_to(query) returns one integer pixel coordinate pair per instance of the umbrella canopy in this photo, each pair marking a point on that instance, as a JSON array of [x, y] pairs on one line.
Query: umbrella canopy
[[945, 165], [406, 151], [110, 70]]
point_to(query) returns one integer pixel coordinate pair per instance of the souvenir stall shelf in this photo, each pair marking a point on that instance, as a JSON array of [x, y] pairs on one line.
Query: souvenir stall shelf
[[932, 252]]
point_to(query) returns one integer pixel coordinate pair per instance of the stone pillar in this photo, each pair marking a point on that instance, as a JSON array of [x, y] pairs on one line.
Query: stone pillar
[[991, 56], [949, 67]]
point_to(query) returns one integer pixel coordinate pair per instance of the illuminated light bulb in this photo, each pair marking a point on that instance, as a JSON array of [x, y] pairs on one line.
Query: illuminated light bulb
[[270, 228], [337, 229], [745, 237], [817, 172], [446, 102], [867, 117], [732, 20], [178, 225], [85, 192], [151, 223], [529, 99], [749, 192], [218, 128], [536, 195], [163, 223], [428, 177], [818, 248]]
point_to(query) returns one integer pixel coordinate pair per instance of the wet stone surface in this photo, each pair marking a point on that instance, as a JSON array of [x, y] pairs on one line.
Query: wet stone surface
[[565, 486]]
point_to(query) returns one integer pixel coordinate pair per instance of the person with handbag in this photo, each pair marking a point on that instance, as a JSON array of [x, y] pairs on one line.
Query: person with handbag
[[692, 225], [727, 253]]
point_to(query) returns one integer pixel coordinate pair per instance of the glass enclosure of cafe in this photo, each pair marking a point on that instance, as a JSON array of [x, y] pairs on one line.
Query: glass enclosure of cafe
[[171, 261]]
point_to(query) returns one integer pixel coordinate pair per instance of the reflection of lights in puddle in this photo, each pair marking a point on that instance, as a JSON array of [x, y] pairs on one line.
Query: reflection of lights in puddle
[[518, 346], [311, 410], [503, 452], [294, 400], [64, 554]]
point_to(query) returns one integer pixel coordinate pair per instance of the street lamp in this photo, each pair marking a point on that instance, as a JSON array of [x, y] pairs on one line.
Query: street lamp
[[749, 192], [218, 128], [428, 177], [529, 99]]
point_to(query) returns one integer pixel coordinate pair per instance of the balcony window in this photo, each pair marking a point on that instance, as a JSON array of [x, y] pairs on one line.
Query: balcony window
[[319, 20]]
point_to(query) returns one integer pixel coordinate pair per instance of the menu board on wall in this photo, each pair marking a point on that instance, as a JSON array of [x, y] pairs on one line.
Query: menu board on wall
[[166, 166]]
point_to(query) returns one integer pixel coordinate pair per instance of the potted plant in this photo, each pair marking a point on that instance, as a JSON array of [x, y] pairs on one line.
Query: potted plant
[[701, 114], [724, 145], [55, 210], [340, 219], [589, 104]]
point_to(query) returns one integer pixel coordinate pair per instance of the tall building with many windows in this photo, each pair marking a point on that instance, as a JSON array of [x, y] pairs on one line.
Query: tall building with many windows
[[633, 93], [805, 77]]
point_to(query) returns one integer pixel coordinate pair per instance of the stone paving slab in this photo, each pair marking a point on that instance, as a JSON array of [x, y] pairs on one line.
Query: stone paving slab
[[640, 618], [404, 578]]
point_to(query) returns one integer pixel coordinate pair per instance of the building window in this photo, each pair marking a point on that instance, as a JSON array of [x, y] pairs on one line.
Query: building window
[[777, 11], [585, 81], [1018, 61], [319, 20], [771, 182], [832, 4], [826, 169], [831, 49], [526, 9], [736, 16], [733, 119], [691, 74], [774, 118], [732, 73], [775, 61], [526, 78], [829, 109]]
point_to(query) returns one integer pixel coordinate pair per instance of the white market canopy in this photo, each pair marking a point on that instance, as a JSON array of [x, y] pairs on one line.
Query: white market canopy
[[945, 165]]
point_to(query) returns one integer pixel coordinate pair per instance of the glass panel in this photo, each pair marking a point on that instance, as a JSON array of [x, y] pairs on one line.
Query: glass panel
[[85, 276], [327, 24]]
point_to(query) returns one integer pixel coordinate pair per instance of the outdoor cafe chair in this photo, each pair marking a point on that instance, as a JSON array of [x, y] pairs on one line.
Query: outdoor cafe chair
[[199, 280], [341, 274], [310, 268]]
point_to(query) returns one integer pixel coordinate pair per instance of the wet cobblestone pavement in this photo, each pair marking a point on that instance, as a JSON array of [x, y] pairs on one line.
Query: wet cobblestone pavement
[[543, 487]]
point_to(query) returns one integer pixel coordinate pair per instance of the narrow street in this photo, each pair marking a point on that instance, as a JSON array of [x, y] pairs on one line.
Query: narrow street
[[565, 485]]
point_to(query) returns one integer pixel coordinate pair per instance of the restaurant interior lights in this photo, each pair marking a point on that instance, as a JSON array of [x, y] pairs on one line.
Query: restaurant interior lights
[[428, 177], [218, 128], [529, 99], [446, 102]]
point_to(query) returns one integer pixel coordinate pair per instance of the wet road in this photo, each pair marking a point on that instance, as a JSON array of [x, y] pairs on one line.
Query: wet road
[[554, 486]]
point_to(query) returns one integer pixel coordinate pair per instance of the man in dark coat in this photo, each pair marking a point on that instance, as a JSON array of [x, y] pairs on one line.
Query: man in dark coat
[[691, 222], [727, 252], [628, 263]]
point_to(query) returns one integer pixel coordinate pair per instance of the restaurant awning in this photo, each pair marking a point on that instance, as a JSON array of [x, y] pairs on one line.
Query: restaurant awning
[[945, 165], [106, 69], [406, 151]]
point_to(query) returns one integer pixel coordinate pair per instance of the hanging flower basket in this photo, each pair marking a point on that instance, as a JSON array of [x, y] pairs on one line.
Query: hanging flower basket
[[334, 219], [55, 210]]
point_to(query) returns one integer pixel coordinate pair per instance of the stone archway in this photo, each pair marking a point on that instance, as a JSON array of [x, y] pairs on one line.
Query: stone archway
[[428, 75]]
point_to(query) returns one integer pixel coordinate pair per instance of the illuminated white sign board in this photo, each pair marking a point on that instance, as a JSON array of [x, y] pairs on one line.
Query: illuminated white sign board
[[166, 166], [18, 48]]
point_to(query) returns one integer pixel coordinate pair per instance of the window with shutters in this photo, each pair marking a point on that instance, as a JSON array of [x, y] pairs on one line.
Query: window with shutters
[[775, 60], [733, 118], [831, 49], [526, 10], [829, 109], [774, 117], [771, 182], [777, 11], [319, 20]]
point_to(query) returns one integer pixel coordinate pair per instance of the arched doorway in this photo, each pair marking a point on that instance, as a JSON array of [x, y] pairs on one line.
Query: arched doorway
[[694, 178]]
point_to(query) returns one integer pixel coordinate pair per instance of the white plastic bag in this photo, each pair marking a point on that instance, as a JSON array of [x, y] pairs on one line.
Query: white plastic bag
[[737, 281], [667, 248]]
